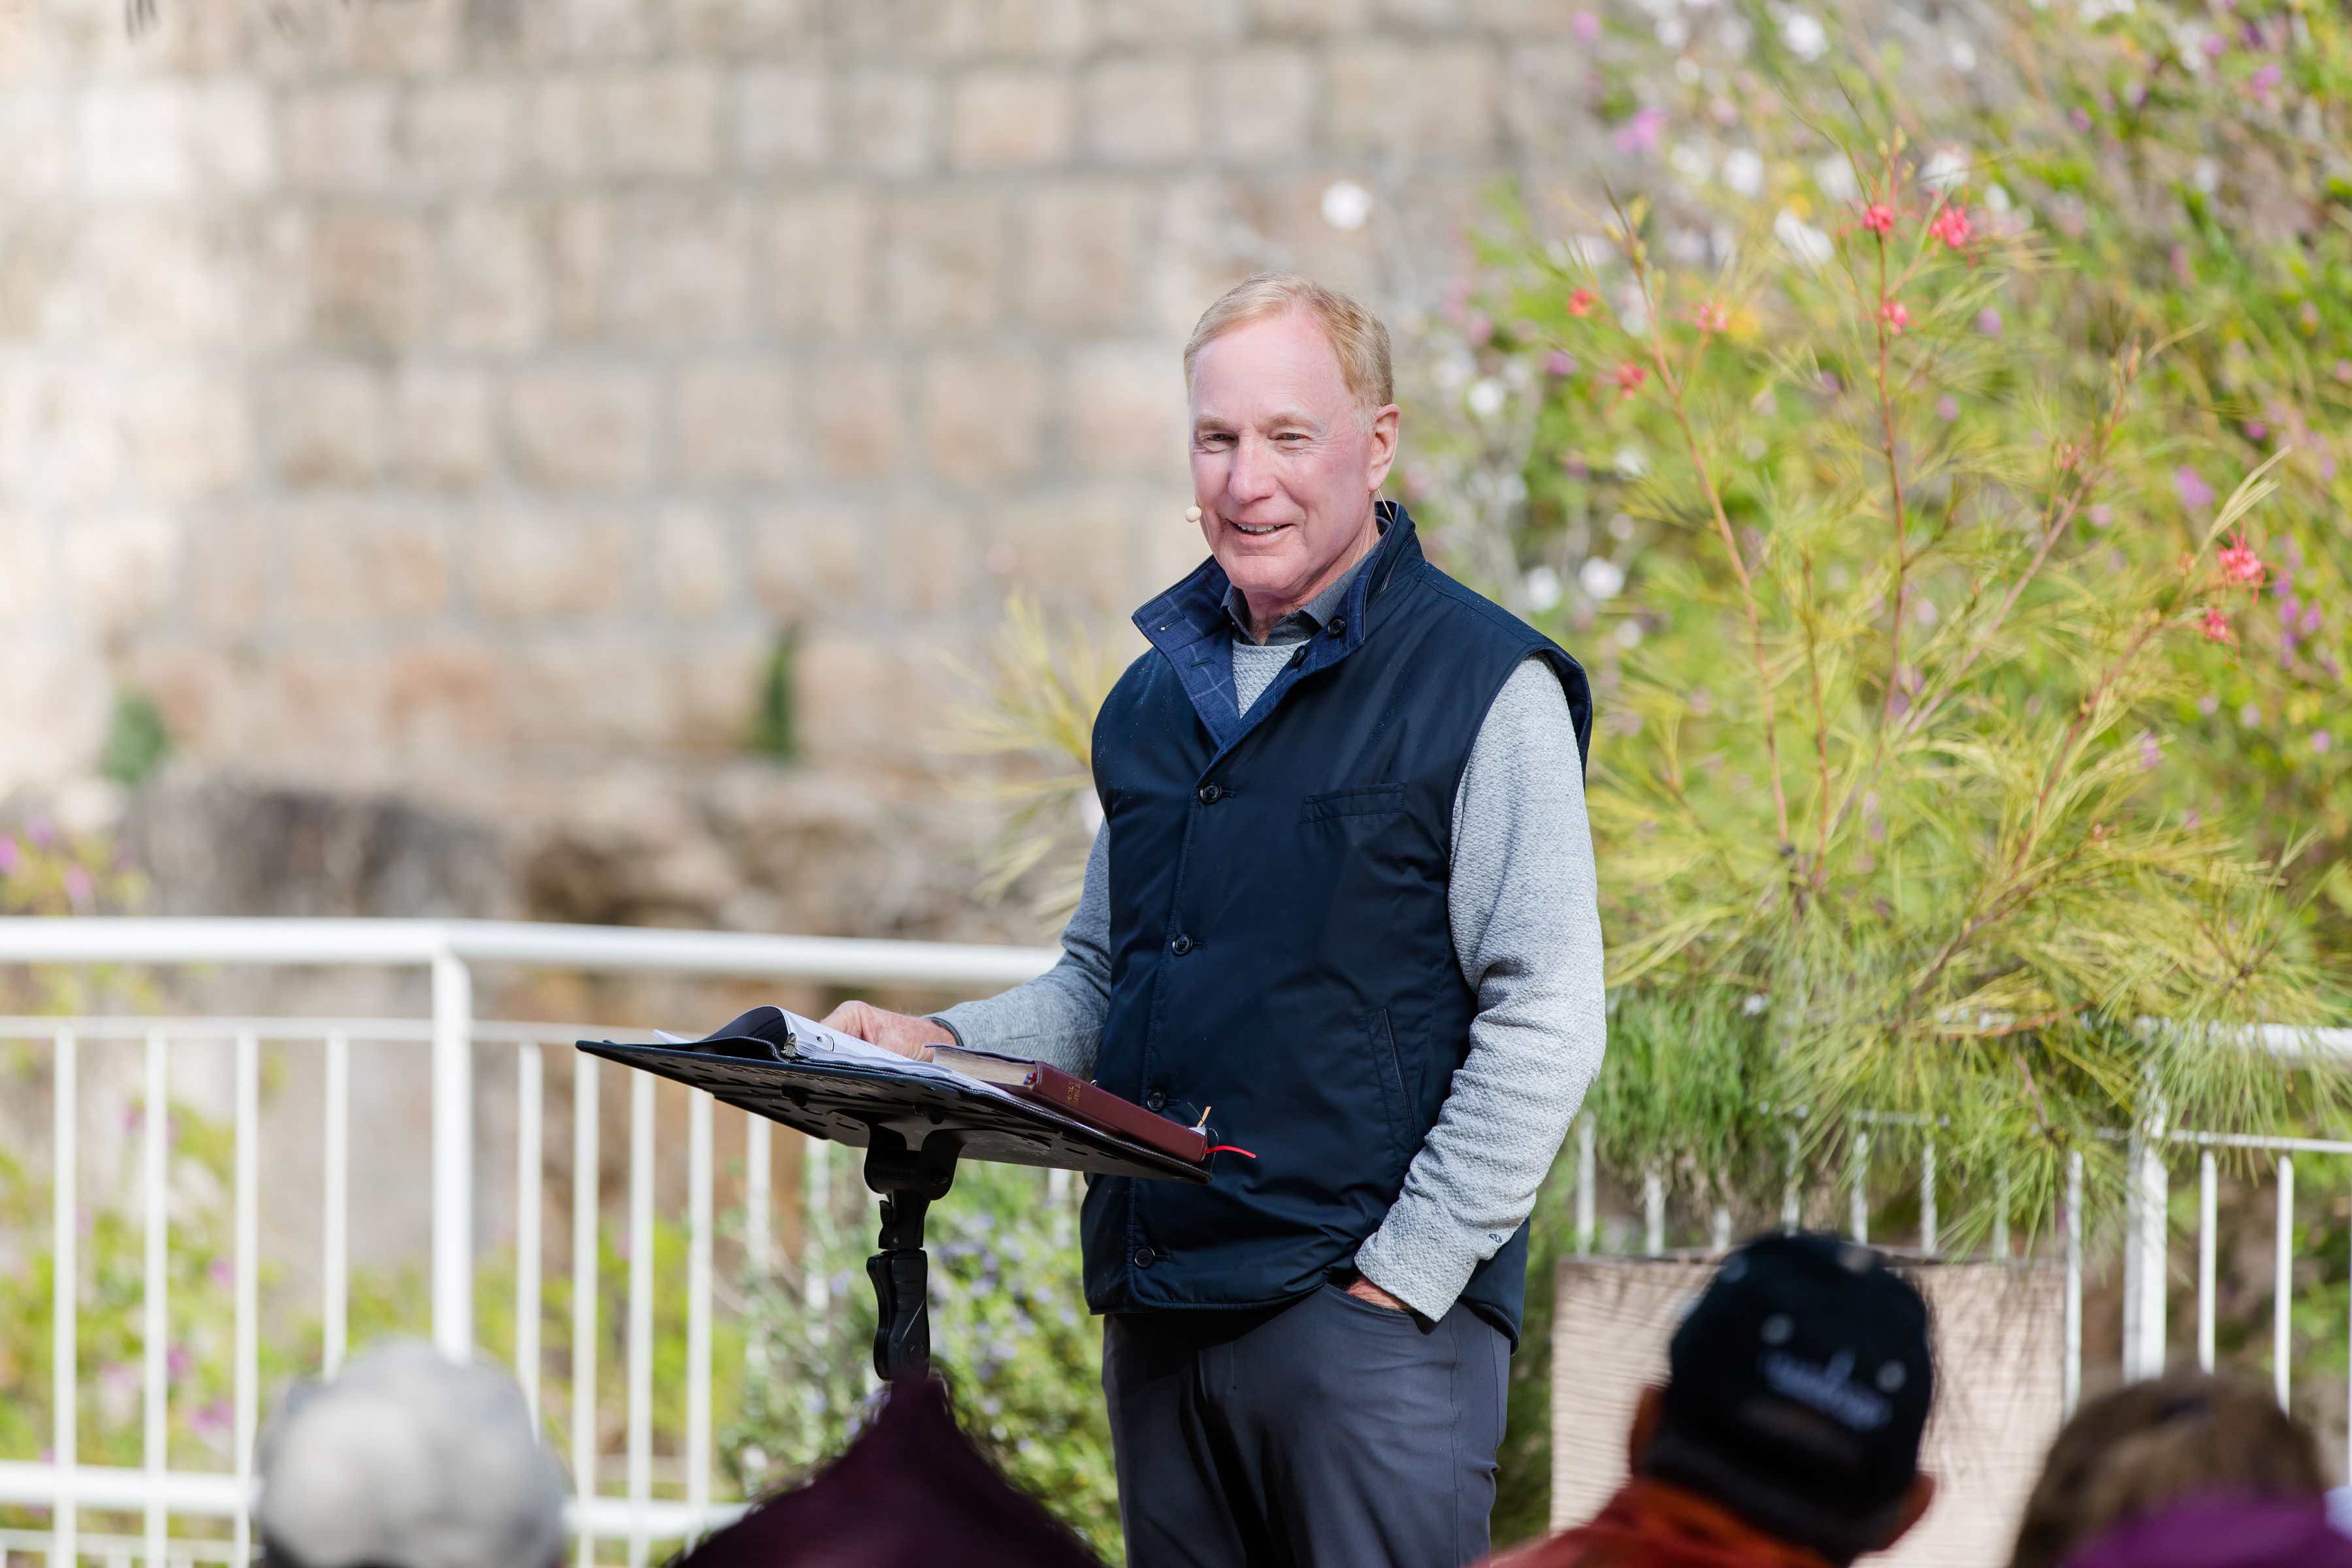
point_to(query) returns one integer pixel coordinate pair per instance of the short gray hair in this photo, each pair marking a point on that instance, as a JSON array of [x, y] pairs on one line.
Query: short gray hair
[[412, 1460], [1357, 338]]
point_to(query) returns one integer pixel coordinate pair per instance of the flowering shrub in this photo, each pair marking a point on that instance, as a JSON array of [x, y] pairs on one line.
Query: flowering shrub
[[1912, 567], [1882, 763]]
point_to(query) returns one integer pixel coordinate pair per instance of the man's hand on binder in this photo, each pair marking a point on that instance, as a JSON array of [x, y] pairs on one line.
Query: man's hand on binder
[[908, 1035]]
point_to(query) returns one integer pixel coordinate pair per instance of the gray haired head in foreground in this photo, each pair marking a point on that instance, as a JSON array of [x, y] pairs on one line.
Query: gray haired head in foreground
[[407, 1459]]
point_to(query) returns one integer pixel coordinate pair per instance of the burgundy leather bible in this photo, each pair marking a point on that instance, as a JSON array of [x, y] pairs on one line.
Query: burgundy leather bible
[[1075, 1097]]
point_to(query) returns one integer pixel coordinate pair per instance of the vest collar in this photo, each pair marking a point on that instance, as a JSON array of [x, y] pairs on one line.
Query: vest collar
[[1188, 625]]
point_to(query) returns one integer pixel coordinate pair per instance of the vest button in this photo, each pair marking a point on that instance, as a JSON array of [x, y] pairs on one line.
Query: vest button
[[1142, 1257], [1338, 625], [1158, 1102], [1181, 946], [1212, 794]]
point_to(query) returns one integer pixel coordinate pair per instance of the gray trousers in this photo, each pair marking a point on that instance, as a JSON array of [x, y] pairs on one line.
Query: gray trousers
[[1330, 1433]]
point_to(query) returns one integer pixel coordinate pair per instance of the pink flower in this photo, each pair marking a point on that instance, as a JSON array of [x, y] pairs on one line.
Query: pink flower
[[2079, 117], [176, 1363], [9, 853], [2266, 80], [2151, 751], [1948, 409], [2101, 515], [1989, 321], [2240, 564], [1478, 329], [1559, 362], [1711, 316], [2321, 741], [2190, 487], [1630, 377], [1587, 25], [1581, 300], [220, 1274], [1640, 133], [2216, 628], [1878, 217], [79, 885], [1951, 227], [41, 833], [2256, 430], [1896, 314]]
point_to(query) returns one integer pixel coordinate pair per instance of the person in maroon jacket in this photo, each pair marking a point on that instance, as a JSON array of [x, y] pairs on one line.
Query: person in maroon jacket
[[910, 1493]]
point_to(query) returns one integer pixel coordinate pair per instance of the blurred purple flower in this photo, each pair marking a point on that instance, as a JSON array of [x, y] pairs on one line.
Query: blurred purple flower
[[2216, 46], [8, 853], [210, 1420], [2344, 370], [2256, 430], [1588, 27], [2322, 742], [1478, 328], [2101, 515], [220, 1273], [2312, 620], [1948, 409], [79, 885], [1559, 362], [2191, 485], [1640, 133], [41, 833], [2151, 751], [2079, 117], [176, 1363], [1989, 321], [2266, 80], [2192, 817]]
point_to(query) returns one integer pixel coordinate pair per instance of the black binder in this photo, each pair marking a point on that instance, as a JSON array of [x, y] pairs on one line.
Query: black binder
[[913, 1131], [846, 1103]]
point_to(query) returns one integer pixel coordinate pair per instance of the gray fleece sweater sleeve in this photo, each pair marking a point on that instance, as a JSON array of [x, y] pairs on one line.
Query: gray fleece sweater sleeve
[[1527, 933]]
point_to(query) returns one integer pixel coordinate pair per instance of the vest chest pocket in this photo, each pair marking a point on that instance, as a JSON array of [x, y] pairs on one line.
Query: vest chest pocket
[[1370, 800]]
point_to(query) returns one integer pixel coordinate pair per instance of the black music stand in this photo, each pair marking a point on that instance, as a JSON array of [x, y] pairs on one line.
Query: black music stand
[[913, 1131]]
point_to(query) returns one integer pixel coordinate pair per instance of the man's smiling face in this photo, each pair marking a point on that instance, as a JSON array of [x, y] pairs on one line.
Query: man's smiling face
[[1286, 461]]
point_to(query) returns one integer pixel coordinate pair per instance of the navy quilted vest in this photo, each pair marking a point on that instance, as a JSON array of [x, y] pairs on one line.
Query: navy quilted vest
[[1281, 953]]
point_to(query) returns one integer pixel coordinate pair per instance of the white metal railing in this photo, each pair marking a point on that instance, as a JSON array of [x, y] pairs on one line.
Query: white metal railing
[[2144, 1252], [446, 950]]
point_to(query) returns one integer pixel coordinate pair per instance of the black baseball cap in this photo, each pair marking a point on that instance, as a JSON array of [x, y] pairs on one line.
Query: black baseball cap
[[1798, 1388]]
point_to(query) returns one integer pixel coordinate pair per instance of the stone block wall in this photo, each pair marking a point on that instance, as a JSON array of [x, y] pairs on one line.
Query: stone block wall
[[410, 394]]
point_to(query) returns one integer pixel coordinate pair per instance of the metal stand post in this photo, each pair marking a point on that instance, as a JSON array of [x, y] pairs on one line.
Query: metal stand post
[[908, 1179]]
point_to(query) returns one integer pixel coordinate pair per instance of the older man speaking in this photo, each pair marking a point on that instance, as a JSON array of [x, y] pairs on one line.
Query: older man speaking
[[1342, 907]]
